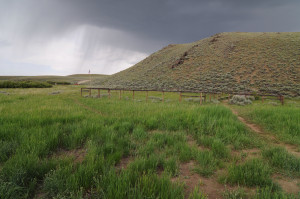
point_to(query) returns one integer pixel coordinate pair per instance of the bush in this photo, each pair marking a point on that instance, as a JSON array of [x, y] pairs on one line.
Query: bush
[[24, 84], [241, 100]]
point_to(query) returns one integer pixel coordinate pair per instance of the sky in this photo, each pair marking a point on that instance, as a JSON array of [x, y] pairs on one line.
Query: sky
[[63, 37]]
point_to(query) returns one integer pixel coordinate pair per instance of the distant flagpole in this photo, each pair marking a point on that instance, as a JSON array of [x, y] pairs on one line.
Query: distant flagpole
[[90, 78]]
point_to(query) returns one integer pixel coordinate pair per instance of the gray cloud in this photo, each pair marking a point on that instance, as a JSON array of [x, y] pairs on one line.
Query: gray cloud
[[141, 25], [160, 20]]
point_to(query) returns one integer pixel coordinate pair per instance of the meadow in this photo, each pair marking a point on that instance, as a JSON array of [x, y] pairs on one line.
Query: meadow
[[56, 144]]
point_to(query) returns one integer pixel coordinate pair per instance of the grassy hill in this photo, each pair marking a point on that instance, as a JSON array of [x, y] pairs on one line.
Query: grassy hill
[[70, 78], [225, 62]]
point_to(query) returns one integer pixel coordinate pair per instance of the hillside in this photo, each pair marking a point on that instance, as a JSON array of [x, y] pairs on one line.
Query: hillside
[[70, 78], [225, 62]]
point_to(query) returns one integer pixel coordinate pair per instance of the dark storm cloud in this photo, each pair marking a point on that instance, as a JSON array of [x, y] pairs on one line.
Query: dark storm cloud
[[80, 33], [165, 21]]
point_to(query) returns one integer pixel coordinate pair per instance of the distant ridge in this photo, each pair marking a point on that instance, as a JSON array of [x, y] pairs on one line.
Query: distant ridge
[[225, 62], [69, 78]]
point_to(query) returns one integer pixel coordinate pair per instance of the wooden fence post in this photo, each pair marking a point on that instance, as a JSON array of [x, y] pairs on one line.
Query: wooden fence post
[[99, 92], [90, 92], [209, 97], [262, 99], [200, 98], [282, 100], [120, 94], [108, 93], [133, 95], [81, 92], [163, 96]]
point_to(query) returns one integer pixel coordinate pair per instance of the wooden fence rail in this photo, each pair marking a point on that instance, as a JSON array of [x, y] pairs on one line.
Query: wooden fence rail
[[202, 96]]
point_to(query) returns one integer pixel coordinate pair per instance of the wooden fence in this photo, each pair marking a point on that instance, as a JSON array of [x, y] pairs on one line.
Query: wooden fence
[[201, 95]]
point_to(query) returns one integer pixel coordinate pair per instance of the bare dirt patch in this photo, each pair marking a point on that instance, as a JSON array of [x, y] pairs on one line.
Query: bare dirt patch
[[124, 162], [78, 155], [209, 186], [83, 81], [287, 184]]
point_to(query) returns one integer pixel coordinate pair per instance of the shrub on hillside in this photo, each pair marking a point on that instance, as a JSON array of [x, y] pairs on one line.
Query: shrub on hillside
[[241, 100], [24, 84]]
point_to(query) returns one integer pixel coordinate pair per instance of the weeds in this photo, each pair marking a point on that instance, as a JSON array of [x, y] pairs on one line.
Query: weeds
[[269, 193], [197, 194], [281, 159], [37, 127], [252, 173]]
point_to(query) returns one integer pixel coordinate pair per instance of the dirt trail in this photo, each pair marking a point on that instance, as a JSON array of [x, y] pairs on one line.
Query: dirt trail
[[83, 81], [87, 107], [271, 138]]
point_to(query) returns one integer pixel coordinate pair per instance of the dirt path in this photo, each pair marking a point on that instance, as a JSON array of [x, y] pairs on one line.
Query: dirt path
[[83, 81], [87, 107], [268, 136]]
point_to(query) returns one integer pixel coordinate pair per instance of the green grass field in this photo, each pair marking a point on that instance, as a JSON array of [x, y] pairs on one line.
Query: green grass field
[[282, 121], [56, 144]]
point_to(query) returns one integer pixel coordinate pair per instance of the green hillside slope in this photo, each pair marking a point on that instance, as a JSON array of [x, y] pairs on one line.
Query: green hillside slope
[[225, 62]]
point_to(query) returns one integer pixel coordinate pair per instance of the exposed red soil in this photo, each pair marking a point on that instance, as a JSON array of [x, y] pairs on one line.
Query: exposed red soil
[[287, 184], [209, 186]]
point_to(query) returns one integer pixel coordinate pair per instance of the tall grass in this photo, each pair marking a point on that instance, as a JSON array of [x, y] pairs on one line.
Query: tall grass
[[36, 127], [269, 193], [254, 172], [283, 121], [281, 159]]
